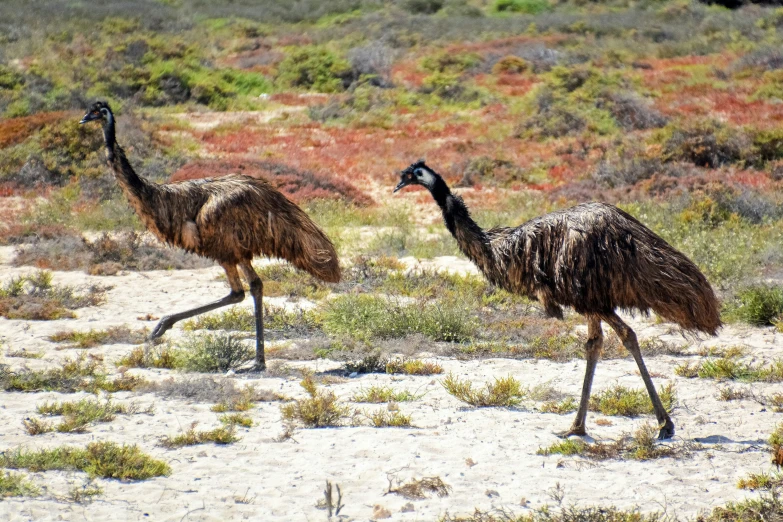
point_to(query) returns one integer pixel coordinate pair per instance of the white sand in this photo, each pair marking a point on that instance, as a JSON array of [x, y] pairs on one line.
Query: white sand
[[284, 480]]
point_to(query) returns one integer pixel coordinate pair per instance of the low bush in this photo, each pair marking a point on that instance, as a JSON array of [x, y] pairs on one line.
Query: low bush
[[106, 255], [383, 418], [98, 459], [320, 410], [222, 435], [92, 338], [366, 317], [620, 400], [314, 68], [377, 394], [504, 392], [531, 7], [34, 297], [759, 305], [16, 485], [212, 353]]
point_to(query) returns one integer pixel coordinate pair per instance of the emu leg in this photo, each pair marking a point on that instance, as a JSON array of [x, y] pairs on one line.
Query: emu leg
[[628, 337], [237, 295], [257, 291], [595, 341]]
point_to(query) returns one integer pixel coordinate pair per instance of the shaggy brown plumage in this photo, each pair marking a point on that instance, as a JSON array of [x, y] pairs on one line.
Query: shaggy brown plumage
[[230, 219], [592, 257]]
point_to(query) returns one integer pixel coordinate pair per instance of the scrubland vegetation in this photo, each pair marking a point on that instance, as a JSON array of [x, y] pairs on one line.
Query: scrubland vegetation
[[670, 109]]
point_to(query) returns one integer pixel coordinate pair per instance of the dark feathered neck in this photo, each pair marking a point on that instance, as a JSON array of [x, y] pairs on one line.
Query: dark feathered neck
[[471, 238], [132, 183]]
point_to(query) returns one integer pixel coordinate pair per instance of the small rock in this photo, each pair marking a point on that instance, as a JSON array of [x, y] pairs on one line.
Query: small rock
[[407, 508], [491, 493], [353, 374], [470, 462], [379, 512]]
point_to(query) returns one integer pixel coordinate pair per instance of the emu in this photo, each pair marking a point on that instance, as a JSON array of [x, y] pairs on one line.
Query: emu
[[592, 257], [229, 220]]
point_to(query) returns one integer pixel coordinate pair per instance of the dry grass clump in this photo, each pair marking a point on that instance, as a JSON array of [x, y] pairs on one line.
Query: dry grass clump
[[153, 357], [16, 485], [767, 507], [627, 402], [284, 280], [107, 255], [320, 410], [642, 446], [561, 514], [761, 481], [91, 338], [98, 459], [34, 297], [73, 375], [78, 415], [383, 418], [222, 435], [504, 392], [378, 394], [24, 354], [418, 489], [731, 368], [225, 393], [278, 322], [236, 419], [413, 367], [567, 405]]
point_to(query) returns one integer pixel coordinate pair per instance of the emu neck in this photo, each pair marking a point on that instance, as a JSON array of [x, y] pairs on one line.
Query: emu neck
[[471, 238], [133, 185]]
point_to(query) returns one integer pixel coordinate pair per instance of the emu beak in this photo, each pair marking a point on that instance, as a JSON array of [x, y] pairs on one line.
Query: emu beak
[[406, 179], [90, 116]]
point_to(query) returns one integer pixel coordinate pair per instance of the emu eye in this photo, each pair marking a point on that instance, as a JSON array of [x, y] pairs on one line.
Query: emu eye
[[417, 172]]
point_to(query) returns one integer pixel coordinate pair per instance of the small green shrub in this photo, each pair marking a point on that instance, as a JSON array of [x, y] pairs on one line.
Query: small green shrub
[[34, 297], [522, 6], [383, 418], [16, 485], [236, 318], [222, 435], [567, 405], [98, 459], [236, 419], [378, 394], [212, 353], [78, 415], [320, 410], [504, 392], [730, 368], [760, 305], [366, 316], [413, 367], [314, 68], [155, 357], [627, 402]]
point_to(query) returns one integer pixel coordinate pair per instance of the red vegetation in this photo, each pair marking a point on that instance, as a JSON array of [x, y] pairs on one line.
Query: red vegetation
[[16, 130], [298, 185]]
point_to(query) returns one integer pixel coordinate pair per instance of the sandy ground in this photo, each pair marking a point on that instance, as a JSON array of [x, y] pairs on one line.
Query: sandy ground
[[487, 456]]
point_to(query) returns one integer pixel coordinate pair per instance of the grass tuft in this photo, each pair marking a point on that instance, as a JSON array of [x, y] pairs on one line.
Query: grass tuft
[[320, 410], [378, 394], [504, 392], [16, 485], [413, 367], [98, 459], [236, 419], [92, 338], [382, 418], [627, 402], [222, 435], [212, 353]]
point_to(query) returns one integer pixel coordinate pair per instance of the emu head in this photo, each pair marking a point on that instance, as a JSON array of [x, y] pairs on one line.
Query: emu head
[[417, 174], [98, 111]]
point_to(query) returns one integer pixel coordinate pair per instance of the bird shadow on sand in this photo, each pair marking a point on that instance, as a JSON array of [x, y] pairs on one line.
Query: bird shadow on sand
[[722, 439]]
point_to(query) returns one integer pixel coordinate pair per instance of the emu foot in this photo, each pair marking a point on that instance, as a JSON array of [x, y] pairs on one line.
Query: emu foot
[[575, 430], [165, 324], [666, 430], [255, 368]]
